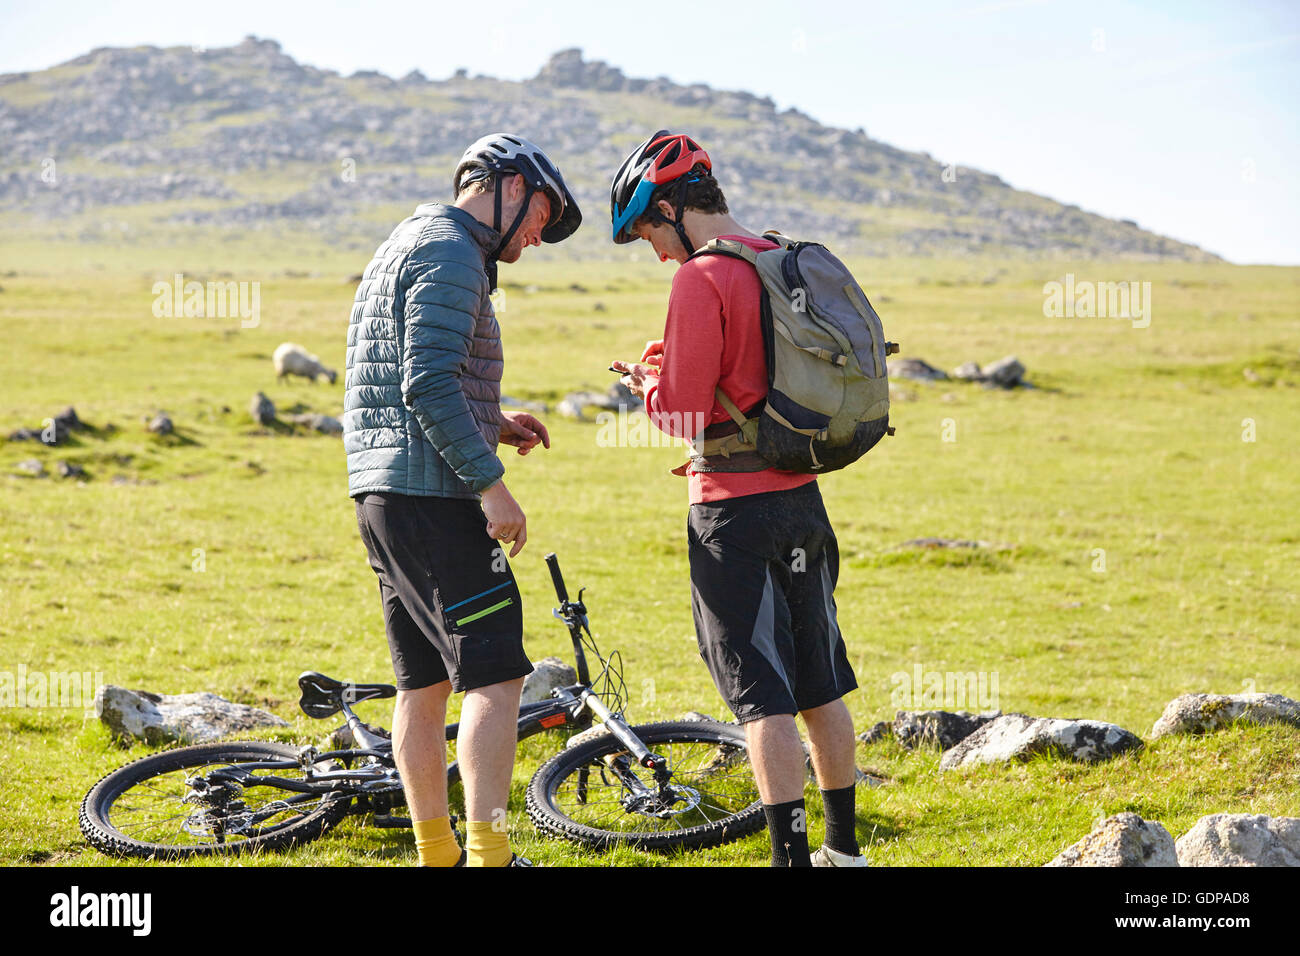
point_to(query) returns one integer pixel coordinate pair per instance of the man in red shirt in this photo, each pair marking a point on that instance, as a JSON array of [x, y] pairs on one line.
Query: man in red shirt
[[763, 554]]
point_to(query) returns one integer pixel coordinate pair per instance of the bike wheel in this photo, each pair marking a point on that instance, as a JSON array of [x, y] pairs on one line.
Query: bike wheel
[[156, 807], [713, 798]]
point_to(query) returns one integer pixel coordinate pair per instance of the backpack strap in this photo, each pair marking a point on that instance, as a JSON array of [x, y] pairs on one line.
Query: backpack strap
[[729, 247], [737, 451], [748, 426]]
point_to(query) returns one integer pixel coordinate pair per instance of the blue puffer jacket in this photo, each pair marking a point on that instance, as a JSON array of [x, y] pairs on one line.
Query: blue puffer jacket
[[422, 406]]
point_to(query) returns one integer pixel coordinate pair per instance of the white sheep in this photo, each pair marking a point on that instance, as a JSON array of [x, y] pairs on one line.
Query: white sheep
[[293, 359]]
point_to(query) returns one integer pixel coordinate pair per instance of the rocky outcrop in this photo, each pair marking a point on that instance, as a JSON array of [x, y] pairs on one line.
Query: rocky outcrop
[[932, 728], [918, 370], [1018, 737], [325, 424], [1005, 373], [548, 674], [1203, 713], [176, 718], [1241, 839], [193, 128], [1122, 840]]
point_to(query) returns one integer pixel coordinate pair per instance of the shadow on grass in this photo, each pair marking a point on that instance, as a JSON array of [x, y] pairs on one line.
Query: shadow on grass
[[177, 438]]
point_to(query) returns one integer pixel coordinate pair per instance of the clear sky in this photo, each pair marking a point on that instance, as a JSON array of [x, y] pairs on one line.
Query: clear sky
[[1181, 115]]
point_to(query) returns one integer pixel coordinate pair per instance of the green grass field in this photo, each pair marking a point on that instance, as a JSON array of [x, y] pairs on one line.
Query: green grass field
[[1141, 501]]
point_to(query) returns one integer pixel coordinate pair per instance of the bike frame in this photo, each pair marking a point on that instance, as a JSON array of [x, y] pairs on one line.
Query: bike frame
[[378, 788]]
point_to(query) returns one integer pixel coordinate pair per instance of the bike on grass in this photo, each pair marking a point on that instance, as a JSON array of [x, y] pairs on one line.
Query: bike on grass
[[660, 786]]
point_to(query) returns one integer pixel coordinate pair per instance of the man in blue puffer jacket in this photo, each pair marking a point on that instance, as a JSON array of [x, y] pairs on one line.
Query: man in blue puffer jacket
[[421, 423]]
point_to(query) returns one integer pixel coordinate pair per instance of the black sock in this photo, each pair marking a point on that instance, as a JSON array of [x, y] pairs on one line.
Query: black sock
[[788, 825], [841, 834]]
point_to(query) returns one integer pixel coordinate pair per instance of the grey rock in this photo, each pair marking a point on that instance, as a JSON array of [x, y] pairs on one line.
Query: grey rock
[[1019, 736], [161, 425], [1241, 839], [879, 731], [325, 424], [694, 715], [341, 737], [33, 467], [548, 674], [968, 372], [1122, 840], [261, 409], [1203, 713], [176, 718], [944, 728], [68, 470], [509, 401], [916, 369], [618, 397], [574, 405], [53, 432], [1005, 373], [68, 420]]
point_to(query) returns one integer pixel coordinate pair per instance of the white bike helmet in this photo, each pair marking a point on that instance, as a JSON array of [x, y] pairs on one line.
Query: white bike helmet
[[506, 152]]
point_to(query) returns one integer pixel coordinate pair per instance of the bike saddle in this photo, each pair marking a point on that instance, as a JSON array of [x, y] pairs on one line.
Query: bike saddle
[[323, 696]]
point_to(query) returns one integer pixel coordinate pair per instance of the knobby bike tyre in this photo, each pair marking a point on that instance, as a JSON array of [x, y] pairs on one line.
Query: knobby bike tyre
[[710, 765], [138, 810]]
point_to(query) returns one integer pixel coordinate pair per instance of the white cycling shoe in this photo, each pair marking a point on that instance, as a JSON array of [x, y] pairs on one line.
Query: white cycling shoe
[[825, 856]]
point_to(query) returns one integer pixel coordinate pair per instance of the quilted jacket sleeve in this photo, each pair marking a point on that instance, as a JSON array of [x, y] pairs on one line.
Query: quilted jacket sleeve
[[441, 301]]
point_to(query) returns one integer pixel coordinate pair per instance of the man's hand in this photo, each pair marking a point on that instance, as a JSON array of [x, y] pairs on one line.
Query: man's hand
[[506, 520], [638, 378], [654, 353], [523, 431]]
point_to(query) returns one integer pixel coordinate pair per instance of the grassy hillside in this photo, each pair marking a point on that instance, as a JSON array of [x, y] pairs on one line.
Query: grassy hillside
[[143, 143]]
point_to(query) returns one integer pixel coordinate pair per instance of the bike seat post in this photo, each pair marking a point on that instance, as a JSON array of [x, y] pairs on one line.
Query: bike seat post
[[364, 738]]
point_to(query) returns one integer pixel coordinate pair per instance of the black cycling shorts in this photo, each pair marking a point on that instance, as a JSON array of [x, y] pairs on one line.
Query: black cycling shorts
[[451, 605], [763, 573]]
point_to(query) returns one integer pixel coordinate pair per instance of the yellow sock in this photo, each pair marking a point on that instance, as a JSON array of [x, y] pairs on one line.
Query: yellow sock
[[436, 843], [486, 846]]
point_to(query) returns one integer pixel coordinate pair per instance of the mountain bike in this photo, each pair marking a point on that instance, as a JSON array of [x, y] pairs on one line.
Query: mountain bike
[[658, 786]]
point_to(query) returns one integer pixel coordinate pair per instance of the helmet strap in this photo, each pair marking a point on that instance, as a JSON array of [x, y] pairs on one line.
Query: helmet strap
[[678, 211], [496, 205], [514, 226]]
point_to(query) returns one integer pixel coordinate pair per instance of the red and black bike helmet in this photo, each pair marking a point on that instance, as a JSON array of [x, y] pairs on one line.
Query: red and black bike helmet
[[662, 158]]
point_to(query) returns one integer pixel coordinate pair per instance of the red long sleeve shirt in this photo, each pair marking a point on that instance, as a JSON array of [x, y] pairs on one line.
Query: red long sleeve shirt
[[713, 338]]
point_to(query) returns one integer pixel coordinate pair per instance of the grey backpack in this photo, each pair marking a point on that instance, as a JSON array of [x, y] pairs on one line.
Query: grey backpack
[[828, 387]]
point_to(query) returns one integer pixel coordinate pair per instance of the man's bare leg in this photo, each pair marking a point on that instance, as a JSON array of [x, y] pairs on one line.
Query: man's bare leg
[[486, 750], [776, 754], [420, 751], [420, 748], [830, 733]]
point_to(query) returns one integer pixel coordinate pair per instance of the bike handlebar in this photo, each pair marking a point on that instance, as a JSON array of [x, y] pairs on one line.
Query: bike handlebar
[[557, 579]]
